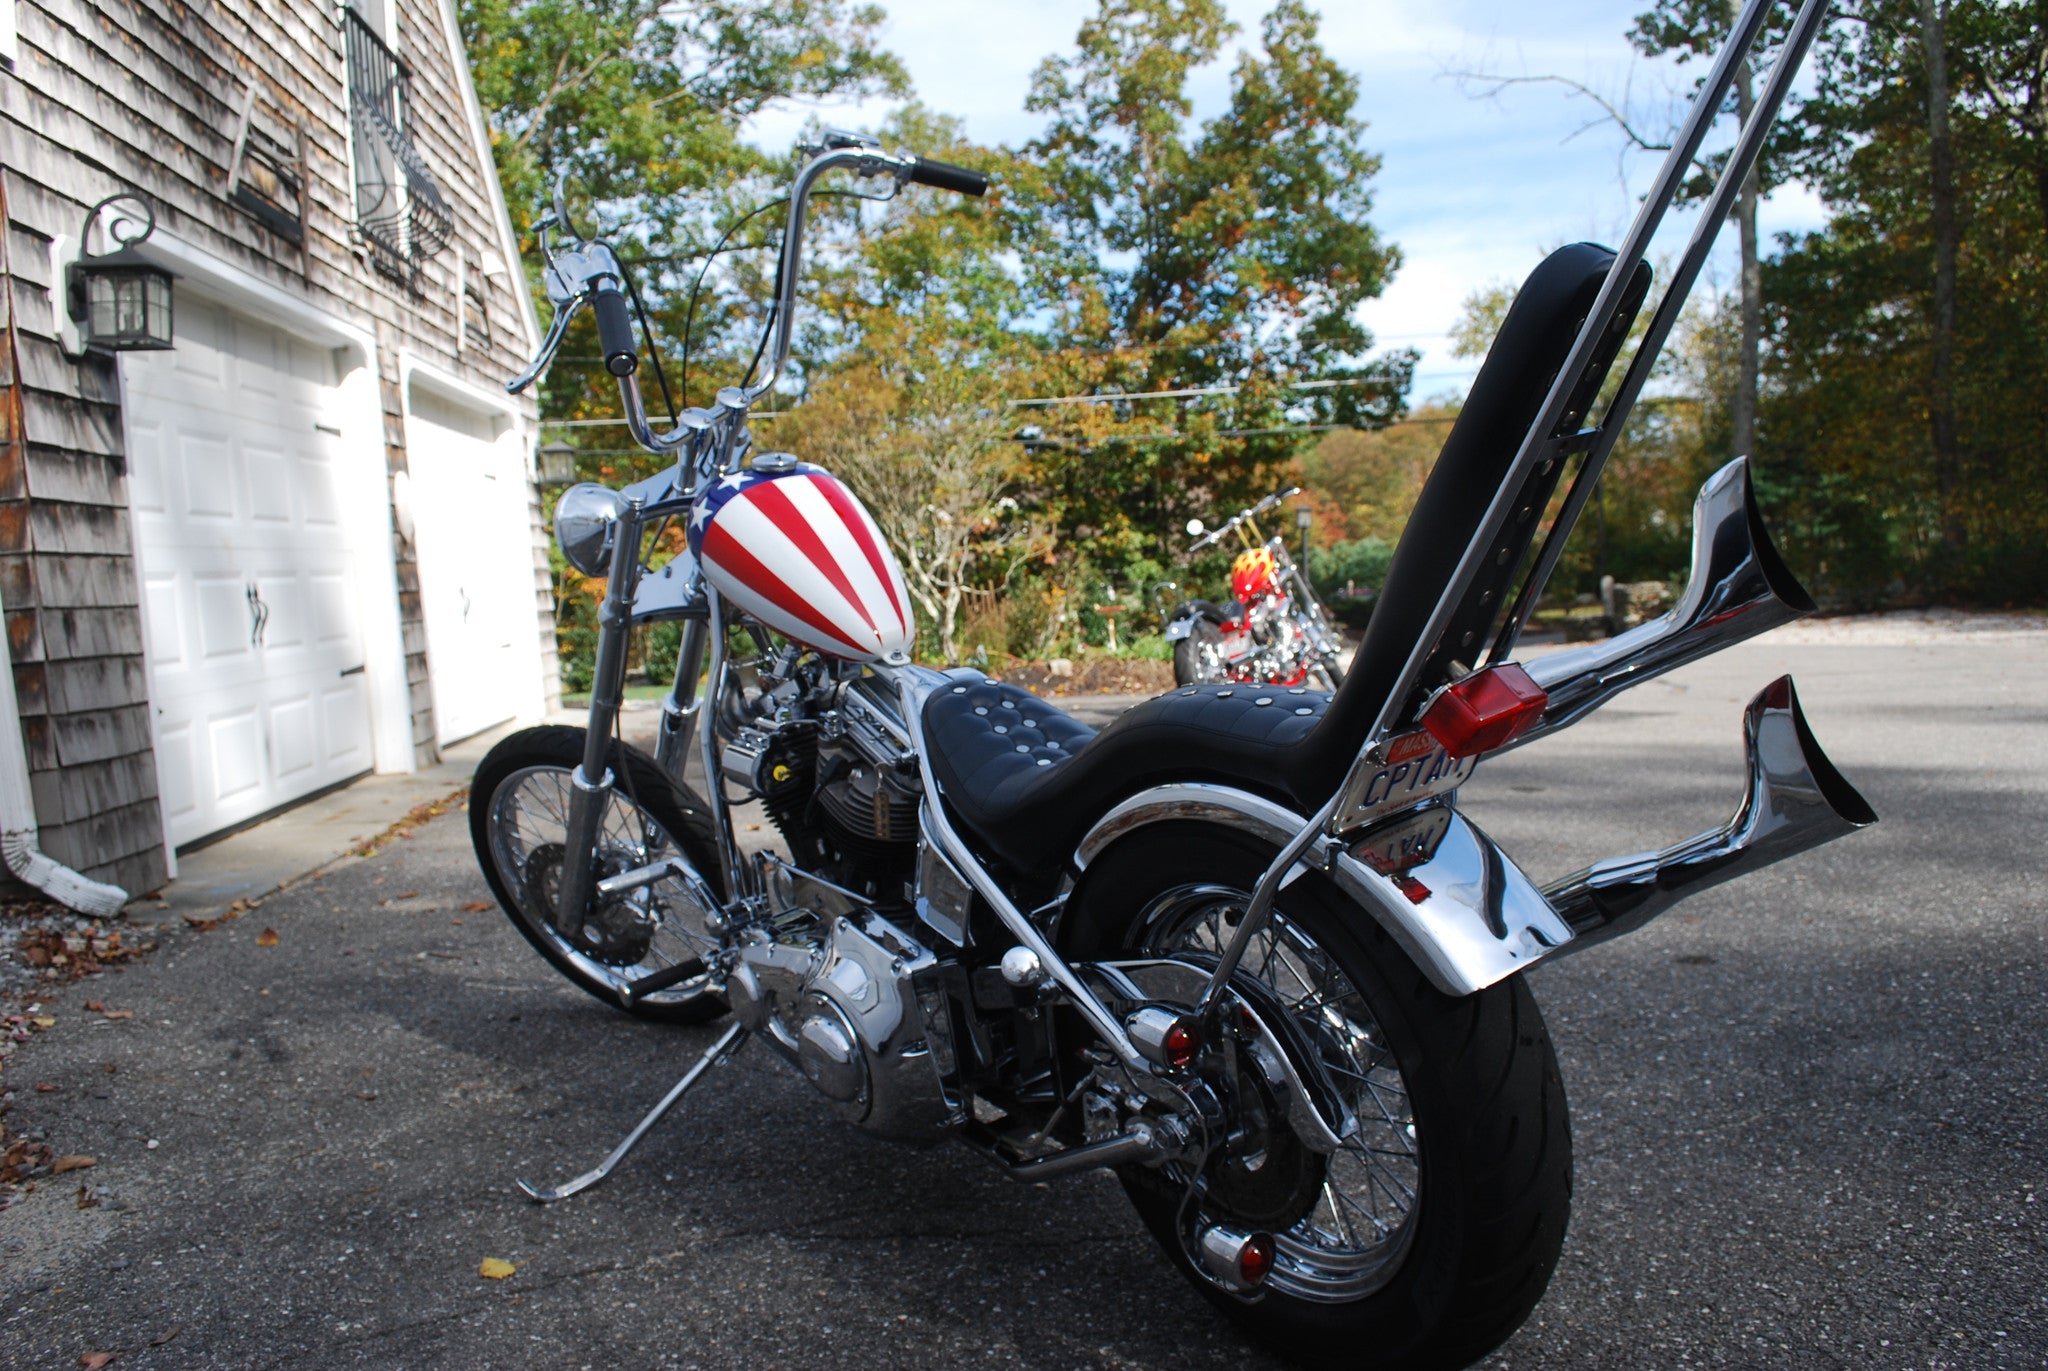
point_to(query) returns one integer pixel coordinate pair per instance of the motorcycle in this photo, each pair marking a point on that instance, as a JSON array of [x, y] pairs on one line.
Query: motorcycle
[[1240, 946], [1274, 631]]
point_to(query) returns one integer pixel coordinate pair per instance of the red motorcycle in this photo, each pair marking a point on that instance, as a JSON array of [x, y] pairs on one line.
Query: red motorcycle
[[1273, 632]]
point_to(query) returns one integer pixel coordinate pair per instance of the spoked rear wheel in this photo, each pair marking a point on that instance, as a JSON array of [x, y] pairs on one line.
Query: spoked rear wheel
[[518, 819], [1431, 1232]]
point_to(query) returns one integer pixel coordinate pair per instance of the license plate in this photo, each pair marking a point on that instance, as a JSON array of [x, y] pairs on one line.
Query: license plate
[[1401, 843], [1416, 769]]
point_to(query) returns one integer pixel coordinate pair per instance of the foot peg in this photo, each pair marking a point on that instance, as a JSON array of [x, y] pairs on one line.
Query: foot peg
[[728, 1043]]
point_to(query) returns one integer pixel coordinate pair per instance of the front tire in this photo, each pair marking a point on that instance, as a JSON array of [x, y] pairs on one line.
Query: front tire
[[1425, 1241], [518, 819]]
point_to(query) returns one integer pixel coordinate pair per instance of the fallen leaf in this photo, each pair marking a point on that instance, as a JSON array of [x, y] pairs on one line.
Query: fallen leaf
[[47, 1087], [162, 1338], [93, 1361], [118, 1014], [406, 895], [86, 1199], [110, 1068], [476, 906], [267, 938], [366, 1094], [242, 904], [43, 1021], [94, 1007], [74, 1162], [491, 1269], [456, 922], [202, 925]]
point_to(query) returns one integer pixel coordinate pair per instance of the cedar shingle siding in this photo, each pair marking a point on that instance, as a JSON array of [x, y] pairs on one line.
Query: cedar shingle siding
[[151, 95]]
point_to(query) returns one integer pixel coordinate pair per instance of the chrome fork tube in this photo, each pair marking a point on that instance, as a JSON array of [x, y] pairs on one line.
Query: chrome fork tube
[[680, 710], [736, 871], [590, 790]]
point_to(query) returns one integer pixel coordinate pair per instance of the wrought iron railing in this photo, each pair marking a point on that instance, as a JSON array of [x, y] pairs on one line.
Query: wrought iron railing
[[401, 215]]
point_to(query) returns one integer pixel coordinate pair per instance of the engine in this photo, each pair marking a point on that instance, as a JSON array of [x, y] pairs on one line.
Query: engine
[[843, 789], [836, 987]]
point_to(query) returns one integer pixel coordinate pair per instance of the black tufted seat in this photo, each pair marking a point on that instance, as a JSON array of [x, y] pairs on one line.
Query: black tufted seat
[[1027, 779]]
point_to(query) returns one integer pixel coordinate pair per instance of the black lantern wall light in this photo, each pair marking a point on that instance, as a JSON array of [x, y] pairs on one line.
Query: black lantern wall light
[[120, 300]]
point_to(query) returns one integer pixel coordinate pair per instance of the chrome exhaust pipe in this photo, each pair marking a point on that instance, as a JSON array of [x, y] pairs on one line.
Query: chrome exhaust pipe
[[1797, 800], [1739, 587]]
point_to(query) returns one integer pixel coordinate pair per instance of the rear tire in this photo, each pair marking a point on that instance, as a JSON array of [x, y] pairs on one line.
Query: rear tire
[[1198, 658], [1472, 1082], [517, 804]]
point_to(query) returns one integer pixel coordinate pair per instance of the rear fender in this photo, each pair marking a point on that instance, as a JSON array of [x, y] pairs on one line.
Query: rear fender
[[1465, 914]]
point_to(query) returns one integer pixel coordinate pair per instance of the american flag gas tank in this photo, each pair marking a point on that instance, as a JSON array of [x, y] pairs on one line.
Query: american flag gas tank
[[791, 546]]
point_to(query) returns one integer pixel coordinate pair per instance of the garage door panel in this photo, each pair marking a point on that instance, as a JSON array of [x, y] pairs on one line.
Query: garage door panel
[[223, 618], [294, 732], [270, 484], [235, 747], [204, 473], [284, 628], [331, 612], [346, 746], [145, 467], [322, 506], [174, 773], [166, 624]]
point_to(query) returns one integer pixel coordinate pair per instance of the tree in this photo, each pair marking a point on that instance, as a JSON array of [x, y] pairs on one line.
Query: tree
[[1913, 328], [1227, 257]]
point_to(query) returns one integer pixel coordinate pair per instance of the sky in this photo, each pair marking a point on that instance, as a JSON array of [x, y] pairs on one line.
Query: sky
[[1474, 187]]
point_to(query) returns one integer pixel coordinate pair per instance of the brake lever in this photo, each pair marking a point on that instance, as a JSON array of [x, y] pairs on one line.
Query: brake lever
[[564, 312]]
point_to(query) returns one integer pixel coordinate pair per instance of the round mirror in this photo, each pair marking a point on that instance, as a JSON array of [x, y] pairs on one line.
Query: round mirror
[[575, 211], [1195, 527]]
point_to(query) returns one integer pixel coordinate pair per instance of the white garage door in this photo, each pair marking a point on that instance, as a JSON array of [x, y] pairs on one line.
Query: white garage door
[[475, 548], [248, 577]]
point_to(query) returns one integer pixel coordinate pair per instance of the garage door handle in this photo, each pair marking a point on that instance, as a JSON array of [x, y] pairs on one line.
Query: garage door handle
[[259, 615], [356, 670]]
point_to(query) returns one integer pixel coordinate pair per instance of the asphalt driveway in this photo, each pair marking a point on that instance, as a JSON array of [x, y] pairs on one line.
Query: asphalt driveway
[[1810, 1110]]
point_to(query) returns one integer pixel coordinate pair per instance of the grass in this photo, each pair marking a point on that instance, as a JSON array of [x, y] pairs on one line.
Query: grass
[[633, 692]]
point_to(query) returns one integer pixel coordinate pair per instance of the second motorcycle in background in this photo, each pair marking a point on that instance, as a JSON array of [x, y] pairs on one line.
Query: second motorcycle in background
[[1273, 632]]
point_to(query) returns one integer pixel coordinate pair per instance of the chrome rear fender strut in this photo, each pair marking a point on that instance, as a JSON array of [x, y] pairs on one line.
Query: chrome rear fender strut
[[914, 685]]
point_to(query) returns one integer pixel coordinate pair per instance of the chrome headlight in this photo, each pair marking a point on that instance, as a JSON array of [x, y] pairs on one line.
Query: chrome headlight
[[586, 521]]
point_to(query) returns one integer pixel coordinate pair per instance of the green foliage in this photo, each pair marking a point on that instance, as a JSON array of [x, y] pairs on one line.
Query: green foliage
[[1848, 463], [1361, 562]]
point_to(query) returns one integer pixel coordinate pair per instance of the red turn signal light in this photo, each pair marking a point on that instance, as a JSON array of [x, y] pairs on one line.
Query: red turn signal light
[[1255, 1259], [1485, 710]]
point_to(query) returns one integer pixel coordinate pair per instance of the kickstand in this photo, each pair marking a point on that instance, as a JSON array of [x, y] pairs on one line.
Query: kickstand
[[728, 1043]]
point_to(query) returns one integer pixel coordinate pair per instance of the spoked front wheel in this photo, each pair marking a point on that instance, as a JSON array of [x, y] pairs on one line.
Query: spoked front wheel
[[1427, 1237], [642, 951]]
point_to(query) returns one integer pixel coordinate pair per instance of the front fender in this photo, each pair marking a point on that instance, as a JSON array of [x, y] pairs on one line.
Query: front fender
[[1465, 914]]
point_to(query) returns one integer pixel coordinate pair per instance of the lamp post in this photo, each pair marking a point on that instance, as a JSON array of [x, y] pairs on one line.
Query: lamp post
[[557, 464], [1303, 517], [119, 300]]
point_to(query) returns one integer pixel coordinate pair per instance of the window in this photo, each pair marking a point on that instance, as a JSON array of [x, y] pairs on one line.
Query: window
[[401, 218]]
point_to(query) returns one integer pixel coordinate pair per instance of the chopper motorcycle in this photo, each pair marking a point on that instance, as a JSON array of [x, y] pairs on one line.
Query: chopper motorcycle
[[1240, 945], [1274, 631]]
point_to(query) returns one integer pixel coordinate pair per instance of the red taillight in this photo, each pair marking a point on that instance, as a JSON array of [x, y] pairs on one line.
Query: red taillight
[[1255, 1258], [1183, 1040], [1485, 710]]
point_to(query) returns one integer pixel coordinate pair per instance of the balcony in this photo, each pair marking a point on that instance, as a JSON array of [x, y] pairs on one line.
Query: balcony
[[402, 219]]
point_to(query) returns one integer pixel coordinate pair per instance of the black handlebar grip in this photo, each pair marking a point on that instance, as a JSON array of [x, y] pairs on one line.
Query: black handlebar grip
[[615, 331], [946, 176]]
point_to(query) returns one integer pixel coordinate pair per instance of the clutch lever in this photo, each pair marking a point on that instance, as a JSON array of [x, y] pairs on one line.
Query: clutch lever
[[564, 312]]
